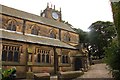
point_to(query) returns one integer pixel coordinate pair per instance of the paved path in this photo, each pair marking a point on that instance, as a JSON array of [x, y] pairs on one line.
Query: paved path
[[96, 71]]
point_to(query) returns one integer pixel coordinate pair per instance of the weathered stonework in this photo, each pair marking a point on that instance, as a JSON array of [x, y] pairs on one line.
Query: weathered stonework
[[39, 44]]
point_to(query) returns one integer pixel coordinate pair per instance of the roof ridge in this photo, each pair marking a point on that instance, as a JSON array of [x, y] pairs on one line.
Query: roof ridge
[[33, 17], [34, 40]]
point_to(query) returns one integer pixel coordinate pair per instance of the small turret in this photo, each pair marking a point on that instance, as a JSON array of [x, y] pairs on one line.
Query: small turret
[[52, 13]]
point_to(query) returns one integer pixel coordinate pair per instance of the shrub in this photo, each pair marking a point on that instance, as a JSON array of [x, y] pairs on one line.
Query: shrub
[[112, 55]]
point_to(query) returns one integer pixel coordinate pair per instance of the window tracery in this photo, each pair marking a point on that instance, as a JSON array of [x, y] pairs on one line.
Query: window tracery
[[43, 56], [35, 29], [65, 59], [67, 37], [52, 33], [11, 25], [10, 53]]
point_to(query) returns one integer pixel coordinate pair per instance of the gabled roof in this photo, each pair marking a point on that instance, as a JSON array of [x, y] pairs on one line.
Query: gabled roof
[[34, 39], [35, 18]]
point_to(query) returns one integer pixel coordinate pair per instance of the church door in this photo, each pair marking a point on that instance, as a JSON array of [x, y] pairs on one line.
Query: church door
[[77, 63]]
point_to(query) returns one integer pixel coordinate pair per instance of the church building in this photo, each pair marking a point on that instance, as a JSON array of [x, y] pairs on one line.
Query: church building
[[37, 44]]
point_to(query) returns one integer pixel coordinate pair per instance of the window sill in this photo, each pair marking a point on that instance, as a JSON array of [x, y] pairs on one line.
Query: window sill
[[44, 64], [65, 65], [41, 64], [4, 63]]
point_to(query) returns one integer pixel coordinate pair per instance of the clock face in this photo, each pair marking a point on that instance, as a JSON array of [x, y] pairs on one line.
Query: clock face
[[55, 15]]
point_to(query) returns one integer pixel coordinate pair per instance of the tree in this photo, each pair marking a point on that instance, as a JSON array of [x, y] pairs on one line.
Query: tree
[[116, 16], [83, 36], [100, 35], [113, 51], [112, 54]]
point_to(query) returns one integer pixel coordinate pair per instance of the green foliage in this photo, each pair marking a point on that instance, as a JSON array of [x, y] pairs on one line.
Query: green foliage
[[0, 73], [83, 36], [100, 35], [6, 74], [112, 58], [110, 53], [113, 51], [116, 16]]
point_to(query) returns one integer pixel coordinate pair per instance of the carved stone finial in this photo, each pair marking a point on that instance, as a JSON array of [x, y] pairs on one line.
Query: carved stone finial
[[47, 5], [60, 9], [54, 7]]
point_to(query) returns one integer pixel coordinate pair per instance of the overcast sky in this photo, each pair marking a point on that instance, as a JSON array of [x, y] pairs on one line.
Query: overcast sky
[[80, 13]]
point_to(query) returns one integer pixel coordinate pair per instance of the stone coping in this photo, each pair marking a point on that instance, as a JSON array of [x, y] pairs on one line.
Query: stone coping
[[41, 74]]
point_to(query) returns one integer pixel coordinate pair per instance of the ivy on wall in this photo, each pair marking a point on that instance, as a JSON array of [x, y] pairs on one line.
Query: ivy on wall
[[114, 61]]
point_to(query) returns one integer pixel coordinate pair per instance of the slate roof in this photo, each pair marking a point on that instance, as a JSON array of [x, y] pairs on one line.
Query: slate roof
[[35, 18], [34, 39]]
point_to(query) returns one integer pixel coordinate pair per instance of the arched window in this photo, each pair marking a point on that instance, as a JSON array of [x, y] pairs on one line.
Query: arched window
[[52, 33], [67, 37], [10, 55], [16, 54], [47, 58], [63, 59], [66, 59], [38, 57], [43, 58], [12, 25], [34, 29], [4, 55]]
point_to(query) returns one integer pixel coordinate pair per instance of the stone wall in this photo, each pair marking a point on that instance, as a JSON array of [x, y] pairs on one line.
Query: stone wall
[[43, 30]]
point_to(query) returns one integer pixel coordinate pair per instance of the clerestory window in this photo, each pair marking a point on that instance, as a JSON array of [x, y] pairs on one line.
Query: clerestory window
[[11, 25], [67, 37], [53, 33], [34, 31]]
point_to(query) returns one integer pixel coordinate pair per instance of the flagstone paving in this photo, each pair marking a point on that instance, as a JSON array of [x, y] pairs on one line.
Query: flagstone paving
[[97, 71]]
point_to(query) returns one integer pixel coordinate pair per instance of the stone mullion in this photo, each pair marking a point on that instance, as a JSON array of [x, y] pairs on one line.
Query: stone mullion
[[7, 52], [45, 56], [41, 55], [49, 57], [13, 52]]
